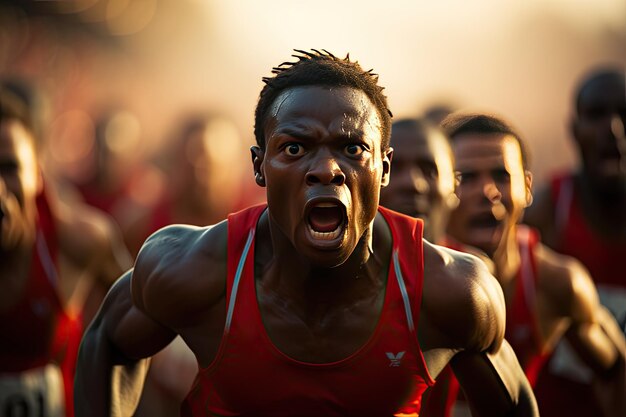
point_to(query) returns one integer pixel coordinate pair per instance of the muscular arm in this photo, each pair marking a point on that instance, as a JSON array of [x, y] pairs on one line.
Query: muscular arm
[[465, 312], [593, 332], [494, 383], [111, 367], [145, 310]]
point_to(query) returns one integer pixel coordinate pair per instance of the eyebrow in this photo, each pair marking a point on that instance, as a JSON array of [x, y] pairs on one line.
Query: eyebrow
[[305, 133]]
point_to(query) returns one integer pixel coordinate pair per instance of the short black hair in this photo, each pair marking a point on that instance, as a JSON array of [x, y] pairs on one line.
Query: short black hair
[[320, 68], [418, 124], [481, 123], [596, 75]]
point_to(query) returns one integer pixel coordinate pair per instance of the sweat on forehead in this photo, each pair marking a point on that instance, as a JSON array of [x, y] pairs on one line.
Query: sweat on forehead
[[322, 69], [341, 112], [459, 124]]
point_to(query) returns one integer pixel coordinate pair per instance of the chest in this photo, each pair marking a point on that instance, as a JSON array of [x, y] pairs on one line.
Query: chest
[[320, 332]]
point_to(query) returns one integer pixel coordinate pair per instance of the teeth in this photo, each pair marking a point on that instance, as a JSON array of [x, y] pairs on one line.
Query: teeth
[[324, 205], [325, 235]]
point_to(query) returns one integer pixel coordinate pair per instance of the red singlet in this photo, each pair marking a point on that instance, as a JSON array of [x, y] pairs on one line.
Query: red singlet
[[564, 386], [575, 237], [250, 376], [37, 329], [522, 323], [522, 330]]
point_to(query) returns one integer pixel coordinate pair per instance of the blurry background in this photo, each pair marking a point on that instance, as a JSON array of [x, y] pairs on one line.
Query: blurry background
[[159, 60]]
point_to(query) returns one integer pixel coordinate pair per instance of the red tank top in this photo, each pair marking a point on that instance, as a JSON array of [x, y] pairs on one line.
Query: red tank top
[[522, 324], [38, 328], [250, 376], [575, 237], [522, 330], [30, 324]]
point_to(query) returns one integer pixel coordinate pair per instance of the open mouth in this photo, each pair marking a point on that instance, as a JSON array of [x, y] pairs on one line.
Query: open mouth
[[326, 221]]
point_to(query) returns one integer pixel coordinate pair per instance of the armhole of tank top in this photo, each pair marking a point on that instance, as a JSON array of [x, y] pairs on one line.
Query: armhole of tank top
[[45, 257], [529, 281], [411, 309], [231, 300], [49, 268]]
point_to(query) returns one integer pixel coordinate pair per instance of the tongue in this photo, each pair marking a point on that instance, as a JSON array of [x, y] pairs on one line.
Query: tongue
[[325, 219]]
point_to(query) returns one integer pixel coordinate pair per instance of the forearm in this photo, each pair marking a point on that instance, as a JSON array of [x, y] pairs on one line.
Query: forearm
[[110, 369], [105, 384], [494, 384], [600, 344]]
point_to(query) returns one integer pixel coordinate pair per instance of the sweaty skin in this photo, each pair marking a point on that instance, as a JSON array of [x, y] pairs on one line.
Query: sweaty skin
[[596, 191], [90, 248], [494, 189], [422, 177], [323, 167], [51, 255]]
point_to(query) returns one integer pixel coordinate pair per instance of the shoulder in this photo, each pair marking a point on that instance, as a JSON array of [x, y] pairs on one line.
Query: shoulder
[[462, 299], [181, 271], [565, 283], [85, 233]]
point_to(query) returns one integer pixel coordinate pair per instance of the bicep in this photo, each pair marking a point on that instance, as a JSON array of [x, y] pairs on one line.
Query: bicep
[[599, 342], [494, 383], [130, 331]]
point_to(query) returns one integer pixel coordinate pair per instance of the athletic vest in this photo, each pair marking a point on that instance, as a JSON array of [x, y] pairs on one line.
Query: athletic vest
[[250, 376], [522, 331], [564, 385], [40, 340], [522, 324], [575, 237]]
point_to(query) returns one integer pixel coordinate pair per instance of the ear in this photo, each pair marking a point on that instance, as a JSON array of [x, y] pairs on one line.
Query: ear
[[387, 157], [528, 181], [258, 156]]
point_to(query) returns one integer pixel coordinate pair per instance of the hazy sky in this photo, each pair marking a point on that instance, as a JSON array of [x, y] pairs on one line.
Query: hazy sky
[[519, 58]]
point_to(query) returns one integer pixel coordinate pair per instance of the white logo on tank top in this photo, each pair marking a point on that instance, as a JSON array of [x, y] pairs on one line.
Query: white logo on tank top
[[394, 360]]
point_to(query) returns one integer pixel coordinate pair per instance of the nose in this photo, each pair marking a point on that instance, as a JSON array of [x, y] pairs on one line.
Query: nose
[[491, 191], [325, 171]]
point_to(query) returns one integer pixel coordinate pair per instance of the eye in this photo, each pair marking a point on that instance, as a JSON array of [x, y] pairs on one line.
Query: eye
[[463, 178], [9, 167], [294, 149], [354, 149], [430, 170], [501, 176]]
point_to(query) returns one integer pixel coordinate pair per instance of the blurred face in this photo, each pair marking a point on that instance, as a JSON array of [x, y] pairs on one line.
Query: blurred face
[[209, 152], [19, 184], [599, 133], [493, 189], [323, 168], [422, 178]]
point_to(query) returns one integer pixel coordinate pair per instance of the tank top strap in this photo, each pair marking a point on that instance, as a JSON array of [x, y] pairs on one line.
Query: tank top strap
[[528, 238], [241, 230], [408, 261]]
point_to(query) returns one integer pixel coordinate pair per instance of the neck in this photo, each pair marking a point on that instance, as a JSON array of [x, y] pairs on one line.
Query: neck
[[285, 271], [506, 257]]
